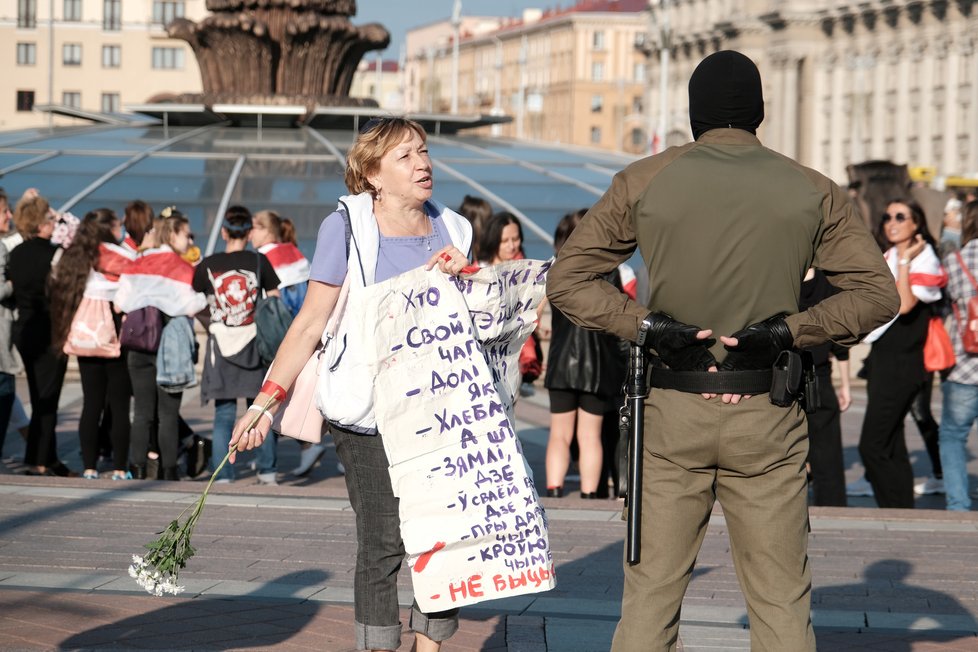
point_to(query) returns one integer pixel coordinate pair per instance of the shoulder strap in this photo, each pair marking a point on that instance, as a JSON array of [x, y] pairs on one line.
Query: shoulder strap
[[967, 272], [261, 292], [349, 237]]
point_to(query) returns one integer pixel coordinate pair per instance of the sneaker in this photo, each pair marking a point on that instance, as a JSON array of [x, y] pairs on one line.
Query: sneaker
[[308, 459], [860, 487], [340, 468], [90, 474], [121, 475], [526, 389], [268, 479], [223, 481], [929, 486]]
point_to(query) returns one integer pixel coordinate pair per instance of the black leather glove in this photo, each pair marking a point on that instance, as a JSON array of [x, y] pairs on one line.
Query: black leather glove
[[758, 345], [676, 345]]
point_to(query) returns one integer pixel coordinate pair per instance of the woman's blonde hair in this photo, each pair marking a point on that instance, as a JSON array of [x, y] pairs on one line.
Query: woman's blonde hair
[[172, 220], [377, 137], [30, 214]]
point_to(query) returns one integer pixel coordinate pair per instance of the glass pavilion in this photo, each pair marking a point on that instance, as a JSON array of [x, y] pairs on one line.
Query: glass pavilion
[[295, 171]]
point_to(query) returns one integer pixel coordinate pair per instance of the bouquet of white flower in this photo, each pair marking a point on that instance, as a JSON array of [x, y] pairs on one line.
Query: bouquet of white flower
[[157, 572]]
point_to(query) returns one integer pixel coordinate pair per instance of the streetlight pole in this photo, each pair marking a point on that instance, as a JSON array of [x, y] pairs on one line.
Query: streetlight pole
[[456, 34], [497, 108], [521, 113], [660, 20], [51, 62]]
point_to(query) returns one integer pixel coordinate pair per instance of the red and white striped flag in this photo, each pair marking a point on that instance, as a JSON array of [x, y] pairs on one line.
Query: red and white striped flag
[[159, 278], [289, 263]]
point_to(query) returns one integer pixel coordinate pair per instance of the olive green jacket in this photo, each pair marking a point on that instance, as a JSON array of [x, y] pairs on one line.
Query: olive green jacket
[[727, 229]]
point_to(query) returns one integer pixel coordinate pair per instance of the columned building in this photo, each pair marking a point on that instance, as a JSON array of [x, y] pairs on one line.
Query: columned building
[[844, 81]]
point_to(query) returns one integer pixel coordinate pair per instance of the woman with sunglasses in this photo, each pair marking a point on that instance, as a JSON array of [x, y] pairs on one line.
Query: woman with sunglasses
[[397, 227], [895, 364]]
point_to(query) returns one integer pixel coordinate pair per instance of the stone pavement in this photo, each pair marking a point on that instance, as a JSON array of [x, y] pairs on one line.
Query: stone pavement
[[274, 565]]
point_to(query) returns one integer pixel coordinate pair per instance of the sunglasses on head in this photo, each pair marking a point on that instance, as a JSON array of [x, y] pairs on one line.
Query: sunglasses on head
[[373, 123], [899, 217]]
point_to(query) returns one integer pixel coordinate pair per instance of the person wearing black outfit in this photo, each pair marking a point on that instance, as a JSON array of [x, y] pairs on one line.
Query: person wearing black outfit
[[827, 475], [28, 268], [233, 281]]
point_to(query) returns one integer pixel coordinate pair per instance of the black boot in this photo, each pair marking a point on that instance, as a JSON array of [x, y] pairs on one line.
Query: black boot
[[171, 473], [138, 471]]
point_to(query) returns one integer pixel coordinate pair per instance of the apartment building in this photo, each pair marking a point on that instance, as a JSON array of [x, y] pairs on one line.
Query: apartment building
[[94, 55], [569, 75]]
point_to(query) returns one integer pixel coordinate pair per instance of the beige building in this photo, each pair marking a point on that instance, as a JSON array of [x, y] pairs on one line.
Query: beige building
[[844, 82], [381, 81], [95, 55], [568, 75]]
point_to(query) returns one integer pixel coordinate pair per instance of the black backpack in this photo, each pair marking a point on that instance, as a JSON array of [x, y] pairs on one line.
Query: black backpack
[[272, 321]]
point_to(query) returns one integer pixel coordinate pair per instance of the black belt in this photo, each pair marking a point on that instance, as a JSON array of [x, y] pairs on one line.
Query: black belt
[[712, 382]]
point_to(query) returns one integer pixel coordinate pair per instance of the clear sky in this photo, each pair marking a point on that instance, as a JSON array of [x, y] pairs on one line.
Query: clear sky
[[398, 16]]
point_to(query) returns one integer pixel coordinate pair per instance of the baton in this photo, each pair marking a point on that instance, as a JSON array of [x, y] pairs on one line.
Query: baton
[[636, 390]]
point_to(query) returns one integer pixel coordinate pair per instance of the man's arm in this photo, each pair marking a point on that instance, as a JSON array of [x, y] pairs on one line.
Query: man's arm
[[853, 263], [604, 239]]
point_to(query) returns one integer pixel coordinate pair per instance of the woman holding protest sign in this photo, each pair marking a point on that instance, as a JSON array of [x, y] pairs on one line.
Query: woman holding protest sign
[[387, 225]]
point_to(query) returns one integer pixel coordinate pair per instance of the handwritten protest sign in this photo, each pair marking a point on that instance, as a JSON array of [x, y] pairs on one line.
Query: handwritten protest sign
[[448, 349]]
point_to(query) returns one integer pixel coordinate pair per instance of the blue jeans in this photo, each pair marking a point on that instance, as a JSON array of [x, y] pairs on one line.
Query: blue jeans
[[225, 414], [960, 409]]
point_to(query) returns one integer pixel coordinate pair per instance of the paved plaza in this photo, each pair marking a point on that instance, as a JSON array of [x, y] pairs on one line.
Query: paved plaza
[[274, 565]]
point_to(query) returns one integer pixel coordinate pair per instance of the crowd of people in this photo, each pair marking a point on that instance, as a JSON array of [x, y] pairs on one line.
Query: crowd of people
[[121, 295]]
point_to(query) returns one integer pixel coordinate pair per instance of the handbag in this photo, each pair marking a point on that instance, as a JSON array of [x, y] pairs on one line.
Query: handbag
[[92, 332], [142, 329], [969, 326], [938, 351], [299, 416]]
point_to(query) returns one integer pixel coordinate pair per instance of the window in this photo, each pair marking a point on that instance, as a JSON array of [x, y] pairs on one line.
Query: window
[[637, 104], [27, 17], [112, 15], [164, 11], [597, 71], [25, 100], [110, 102], [638, 74], [638, 137], [72, 99], [111, 56], [596, 135], [167, 58], [71, 54], [26, 54], [72, 10], [597, 103], [598, 41]]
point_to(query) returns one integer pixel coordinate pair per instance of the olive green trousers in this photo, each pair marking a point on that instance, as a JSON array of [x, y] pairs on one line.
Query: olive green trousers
[[750, 457]]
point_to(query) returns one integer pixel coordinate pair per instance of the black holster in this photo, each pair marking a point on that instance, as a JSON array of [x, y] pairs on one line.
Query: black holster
[[793, 379]]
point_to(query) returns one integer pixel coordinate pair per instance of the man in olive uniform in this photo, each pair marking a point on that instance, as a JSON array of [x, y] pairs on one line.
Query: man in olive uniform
[[727, 229]]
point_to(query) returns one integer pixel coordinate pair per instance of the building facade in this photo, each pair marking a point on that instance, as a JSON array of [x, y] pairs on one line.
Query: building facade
[[844, 82], [566, 76], [94, 55]]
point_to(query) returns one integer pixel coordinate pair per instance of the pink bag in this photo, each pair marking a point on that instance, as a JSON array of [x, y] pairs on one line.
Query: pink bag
[[298, 417], [92, 332]]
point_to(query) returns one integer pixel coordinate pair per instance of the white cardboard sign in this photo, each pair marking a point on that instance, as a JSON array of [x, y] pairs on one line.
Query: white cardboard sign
[[448, 373]]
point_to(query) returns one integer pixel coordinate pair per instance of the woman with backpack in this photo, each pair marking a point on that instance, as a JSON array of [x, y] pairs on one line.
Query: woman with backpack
[[233, 282], [90, 269], [960, 388], [155, 290], [274, 236]]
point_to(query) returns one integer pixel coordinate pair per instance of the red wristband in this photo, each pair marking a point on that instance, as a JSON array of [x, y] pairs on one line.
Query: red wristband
[[274, 390]]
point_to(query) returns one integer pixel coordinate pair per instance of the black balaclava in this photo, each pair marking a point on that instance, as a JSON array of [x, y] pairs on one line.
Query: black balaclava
[[725, 91]]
